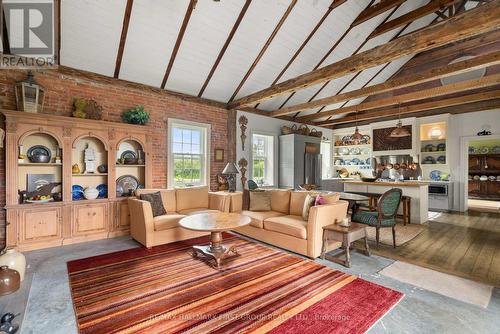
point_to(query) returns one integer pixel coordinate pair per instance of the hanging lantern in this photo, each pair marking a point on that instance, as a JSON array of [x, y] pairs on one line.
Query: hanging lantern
[[356, 136], [29, 95], [399, 131]]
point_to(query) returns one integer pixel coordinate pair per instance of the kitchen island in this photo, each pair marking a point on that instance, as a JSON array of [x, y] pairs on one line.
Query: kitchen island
[[417, 190]]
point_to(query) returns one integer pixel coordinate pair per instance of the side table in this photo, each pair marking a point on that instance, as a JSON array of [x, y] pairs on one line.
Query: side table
[[346, 235]]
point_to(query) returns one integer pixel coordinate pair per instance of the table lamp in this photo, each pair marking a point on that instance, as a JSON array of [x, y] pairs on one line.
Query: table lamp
[[231, 170]]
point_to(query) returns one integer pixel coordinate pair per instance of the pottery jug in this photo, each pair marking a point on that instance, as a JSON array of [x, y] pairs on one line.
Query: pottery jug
[[9, 280], [75, 169], [90, 193], [14, 260]]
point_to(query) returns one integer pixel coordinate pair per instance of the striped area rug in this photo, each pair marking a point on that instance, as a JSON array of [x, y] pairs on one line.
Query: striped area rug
[[165, 290]]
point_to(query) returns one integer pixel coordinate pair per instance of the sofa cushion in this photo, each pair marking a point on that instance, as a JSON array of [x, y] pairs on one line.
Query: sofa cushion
[[330, 197], [260, 201], [297, 199], [280, 201], [156, 203], [308, 202], [290, 225], [189, 212], [258, 217], [167, 196], [189, 198], [166, 222]]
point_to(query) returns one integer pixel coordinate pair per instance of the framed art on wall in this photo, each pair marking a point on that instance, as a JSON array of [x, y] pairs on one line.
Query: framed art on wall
[[219, 154]]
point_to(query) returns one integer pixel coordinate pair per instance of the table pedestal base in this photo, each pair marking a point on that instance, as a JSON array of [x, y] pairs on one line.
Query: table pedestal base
[[214, 253]]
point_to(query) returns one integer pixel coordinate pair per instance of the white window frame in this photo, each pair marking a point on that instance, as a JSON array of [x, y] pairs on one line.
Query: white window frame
[[204, 144], [274, 156], [326, 161]]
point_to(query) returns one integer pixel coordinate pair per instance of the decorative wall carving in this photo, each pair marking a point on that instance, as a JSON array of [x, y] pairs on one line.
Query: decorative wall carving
[[243, 164], [383, 142], [10, 126], [66, 132], [243, 121]]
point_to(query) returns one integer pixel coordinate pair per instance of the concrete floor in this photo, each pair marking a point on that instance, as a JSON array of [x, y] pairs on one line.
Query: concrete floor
[[49, 308]]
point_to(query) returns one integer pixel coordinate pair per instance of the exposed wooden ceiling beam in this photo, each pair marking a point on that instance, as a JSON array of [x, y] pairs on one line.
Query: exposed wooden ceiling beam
[[224, 47], [326, 55], [123, 38], [264, 48], [430, 8], [57, 26], [462, 86], [354, 76], [471, 23], [376, 9], [180, 36], [460, 109], [455, 101], [332, 6], [397, 83], [5, 33]]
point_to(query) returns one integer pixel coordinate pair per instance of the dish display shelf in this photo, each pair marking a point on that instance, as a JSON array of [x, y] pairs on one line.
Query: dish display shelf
[[433, 144], [39, 164], [353, 156], [130, 166]]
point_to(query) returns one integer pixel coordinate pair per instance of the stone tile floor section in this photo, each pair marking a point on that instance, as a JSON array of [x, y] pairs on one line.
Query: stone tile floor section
[[50, 309]]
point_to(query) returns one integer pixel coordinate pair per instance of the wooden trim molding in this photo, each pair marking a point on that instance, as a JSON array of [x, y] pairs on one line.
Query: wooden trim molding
[[476, 21]]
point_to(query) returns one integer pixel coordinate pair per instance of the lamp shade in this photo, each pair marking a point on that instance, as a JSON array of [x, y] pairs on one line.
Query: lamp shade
[[230, 169], [399, 131]]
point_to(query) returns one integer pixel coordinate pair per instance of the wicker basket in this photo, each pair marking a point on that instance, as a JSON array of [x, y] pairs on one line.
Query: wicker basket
[[303, 130], [316, 133], [286, 130]]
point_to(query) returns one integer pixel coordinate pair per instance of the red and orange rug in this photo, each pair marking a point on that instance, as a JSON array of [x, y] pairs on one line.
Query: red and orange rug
[[165, 290]]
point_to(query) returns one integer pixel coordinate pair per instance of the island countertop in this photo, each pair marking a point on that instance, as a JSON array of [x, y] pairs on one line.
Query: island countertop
[[391, 184]]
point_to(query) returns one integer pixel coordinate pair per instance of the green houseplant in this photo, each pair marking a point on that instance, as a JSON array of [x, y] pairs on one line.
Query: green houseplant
[[136, 115]]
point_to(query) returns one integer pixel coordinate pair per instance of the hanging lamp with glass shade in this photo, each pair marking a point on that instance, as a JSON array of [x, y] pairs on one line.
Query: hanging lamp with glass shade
[[399, 131], [356, 136]]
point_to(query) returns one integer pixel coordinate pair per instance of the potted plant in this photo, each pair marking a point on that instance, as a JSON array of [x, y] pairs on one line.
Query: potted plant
[[136, 115]]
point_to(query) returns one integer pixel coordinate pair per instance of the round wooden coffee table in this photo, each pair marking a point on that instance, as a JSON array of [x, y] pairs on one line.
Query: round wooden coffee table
[[215, 223]]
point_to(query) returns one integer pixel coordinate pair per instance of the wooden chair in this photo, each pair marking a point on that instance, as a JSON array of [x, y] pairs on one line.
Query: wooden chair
[[385, 216]]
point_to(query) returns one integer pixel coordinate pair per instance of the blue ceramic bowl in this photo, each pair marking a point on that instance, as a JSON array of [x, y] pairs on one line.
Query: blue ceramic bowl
[[103, 190], [77, 192]]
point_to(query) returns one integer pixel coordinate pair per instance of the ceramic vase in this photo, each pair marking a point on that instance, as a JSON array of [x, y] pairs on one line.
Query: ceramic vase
[[9, 280], [14, 260]]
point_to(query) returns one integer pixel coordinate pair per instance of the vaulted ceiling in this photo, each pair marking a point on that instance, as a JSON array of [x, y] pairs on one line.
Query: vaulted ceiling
[[228, 49]]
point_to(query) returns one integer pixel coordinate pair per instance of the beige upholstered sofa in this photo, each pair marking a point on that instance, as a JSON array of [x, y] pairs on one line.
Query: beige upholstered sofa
[[151, 231], [283, 225]]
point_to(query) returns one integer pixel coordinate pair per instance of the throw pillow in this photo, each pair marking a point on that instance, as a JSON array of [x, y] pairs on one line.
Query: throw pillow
[[308, 202], [156, 203], [320, 200], [260, 201]]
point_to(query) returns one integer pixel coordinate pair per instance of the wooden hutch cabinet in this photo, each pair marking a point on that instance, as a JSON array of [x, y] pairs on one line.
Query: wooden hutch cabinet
[[484, 165], [40, 225]]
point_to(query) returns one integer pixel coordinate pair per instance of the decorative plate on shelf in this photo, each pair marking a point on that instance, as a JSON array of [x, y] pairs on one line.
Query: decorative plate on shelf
[[495, 149], [472, 150], [129, 157], [339, 162], [39, 154], [435, 175], [367, 161], [344, 151], [441, 147], [476, 177], [126, 183], [39, 201], [355, 151], [484, 150], [428, 148], [103, 190], [441, 159], [365, 151], [492, 178], [365, 139], [77, 192], [429, 160], [355, 161]]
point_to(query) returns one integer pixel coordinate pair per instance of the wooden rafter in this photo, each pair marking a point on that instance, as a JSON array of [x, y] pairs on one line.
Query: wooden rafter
[[326, 55], [57, 25], [5, 33], [357, 74], [397, 83], [430, 8], [455, 101], [376, 9], [180, 36], [461, 86], [471, 23], [264, 48], [224, 47], [123, 38]]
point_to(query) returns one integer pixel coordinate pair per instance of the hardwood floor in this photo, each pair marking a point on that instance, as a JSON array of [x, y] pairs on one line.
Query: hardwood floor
[[466, 245]]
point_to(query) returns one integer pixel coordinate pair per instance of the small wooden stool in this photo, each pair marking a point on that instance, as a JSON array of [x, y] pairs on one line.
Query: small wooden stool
[[346, 235]]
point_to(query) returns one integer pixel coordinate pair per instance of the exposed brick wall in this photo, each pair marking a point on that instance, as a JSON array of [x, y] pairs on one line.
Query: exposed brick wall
[[117, 96]]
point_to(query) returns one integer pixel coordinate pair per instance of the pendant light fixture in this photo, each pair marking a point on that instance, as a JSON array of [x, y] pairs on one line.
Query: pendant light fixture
[[399, 131], [356, 136]]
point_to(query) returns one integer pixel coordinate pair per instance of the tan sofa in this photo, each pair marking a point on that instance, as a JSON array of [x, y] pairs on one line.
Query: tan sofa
[[284, 227], [152, 231]]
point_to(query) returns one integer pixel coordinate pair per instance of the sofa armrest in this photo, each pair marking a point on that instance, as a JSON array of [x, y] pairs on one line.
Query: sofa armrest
[[219, 201], [319, 216], [141, 221]]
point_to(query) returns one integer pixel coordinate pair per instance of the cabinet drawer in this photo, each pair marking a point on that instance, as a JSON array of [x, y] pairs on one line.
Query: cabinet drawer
[[92, 218], [40, 224], [123, 216]]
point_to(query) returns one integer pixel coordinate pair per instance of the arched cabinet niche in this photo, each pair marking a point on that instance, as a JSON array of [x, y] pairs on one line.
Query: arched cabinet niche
[[89, 167], [39, 160], [130, 164]]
